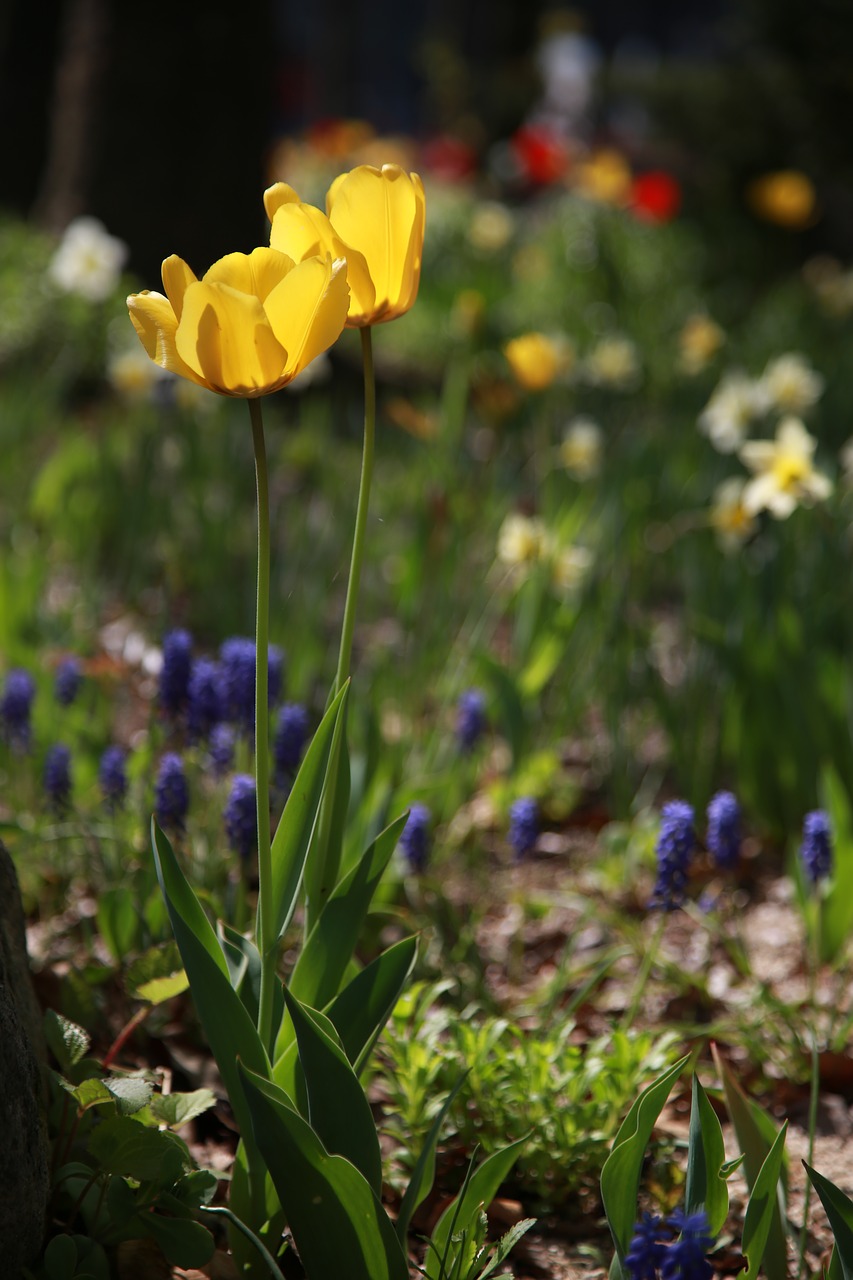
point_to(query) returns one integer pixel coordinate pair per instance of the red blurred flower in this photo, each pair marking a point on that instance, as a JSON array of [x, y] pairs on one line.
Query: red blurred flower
[[449, 158], [542, 155], [655, 196]]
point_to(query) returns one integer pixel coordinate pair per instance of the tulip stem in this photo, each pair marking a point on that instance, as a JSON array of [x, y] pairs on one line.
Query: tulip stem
[[265, 923], [348, 627]]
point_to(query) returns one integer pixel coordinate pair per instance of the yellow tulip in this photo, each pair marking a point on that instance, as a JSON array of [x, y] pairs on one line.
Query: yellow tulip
[[786, 197], [379, 215], [250, 325], [536, 359]]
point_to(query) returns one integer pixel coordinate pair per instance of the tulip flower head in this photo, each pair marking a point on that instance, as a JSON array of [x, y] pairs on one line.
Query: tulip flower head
[[249, 326], [375, 219]]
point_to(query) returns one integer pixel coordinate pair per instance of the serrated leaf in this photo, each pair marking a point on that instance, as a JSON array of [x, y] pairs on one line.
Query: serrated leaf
[[159, 990], [89, 1093], [157, 965], [177, 1109], [67, 1042], [339, 1225], [122, 1146], [130, 1094]]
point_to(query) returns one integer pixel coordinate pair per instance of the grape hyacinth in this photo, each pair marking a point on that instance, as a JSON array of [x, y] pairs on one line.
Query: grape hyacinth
[[69, 677], [221, 747], [275, 673], [676, 842], [523, 826], [290, 735], [241, 816], [57, 777], [414, 841], [723, 837], [175, 672], [204, 693], [470, 719], [647, 1248], [816, 849], [171, 792], [650, 1254], [112, 777], [237, 659], [16, 707]]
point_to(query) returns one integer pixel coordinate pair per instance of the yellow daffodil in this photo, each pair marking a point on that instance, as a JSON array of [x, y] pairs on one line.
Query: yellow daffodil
[[731, 521], [537, 359], [785, 474], [699, 341], [605, 176], [786, 197], [249, 326]]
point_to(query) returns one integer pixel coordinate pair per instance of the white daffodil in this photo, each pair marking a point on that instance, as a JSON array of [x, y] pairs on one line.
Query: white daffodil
[[736, 402], [790, 384], [88, 260], [613, 362], [522, 540], [580, 450], [731, 521], [785, 476]]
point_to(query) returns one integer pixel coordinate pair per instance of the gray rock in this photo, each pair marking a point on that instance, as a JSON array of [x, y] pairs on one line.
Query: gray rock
[[24, 1154]]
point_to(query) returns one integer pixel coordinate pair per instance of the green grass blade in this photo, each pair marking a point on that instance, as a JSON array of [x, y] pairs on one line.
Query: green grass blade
[[479, 1191], [337, 1221], [423, 1174]]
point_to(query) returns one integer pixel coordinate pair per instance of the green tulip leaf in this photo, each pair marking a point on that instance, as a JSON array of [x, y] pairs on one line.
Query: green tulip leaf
[[338, 1110], [839, 1210], [298, 822], [620, 1177], [423, 1174], [762, 1208], [338, 1223], [229, 1030], [361, 1009], [706, 1156]]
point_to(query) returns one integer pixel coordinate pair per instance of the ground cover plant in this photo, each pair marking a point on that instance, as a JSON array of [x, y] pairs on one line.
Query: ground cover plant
[[509, 939]]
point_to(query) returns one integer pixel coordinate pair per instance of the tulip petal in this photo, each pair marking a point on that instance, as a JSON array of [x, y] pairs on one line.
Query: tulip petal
[[255, 273], [225, 337], [380, 213], [177, 277], [278, 194], [301, 231], [155, 323], [308, 309]]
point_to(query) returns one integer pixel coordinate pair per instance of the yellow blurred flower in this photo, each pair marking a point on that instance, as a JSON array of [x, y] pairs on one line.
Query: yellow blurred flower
[[580, 450], [786, 197], [380, 216], [699, 341], [538, 359], [491, 226], [132, 374], [730, 519], [785, 474], [522, 541], [468, 312], [790, 383], [605, 176], [613, 362], [832, 285], [569, 566], [249, 326]]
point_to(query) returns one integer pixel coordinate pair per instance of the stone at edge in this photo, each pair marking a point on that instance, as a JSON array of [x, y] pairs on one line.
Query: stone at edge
[[24, 1182]]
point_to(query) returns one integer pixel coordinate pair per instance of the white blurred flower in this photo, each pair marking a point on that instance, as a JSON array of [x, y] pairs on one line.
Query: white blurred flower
[[522, 540], [580, 451], [736, 401], [790, 383], [845, 457], [730, 519], [613, 362], [88, 260], [569, 566], [133, 374], [785, 474]]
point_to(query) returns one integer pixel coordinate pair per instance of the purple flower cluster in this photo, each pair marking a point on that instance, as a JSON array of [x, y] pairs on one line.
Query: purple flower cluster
[[171, 793], [291, 732], [16, 707], [175, 672], [112, 777], [57, 777], [675, 846], [69, 677], [816, 849], [723, 836], [654, 1253], [204, 699], [470, 719], [241, 816], [415, 839], [523, 826]]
